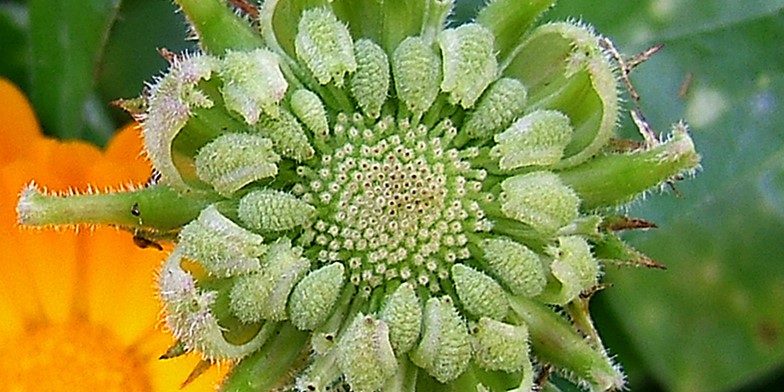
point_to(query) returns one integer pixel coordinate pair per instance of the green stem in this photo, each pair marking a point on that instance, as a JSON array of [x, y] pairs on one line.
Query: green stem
[[269, 368], [158, 207], [219, 28], [555, 341], [615, 179]]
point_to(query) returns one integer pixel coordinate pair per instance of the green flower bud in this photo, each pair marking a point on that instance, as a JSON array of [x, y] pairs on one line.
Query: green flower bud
[[445, 348], [324, 44], [573, 267], [539, 138], [287, 135], [417, 71], [480, 295], [221, 246], [403, 316], [314, 296], [540, 200], [309, 109], [252, 83], [271, 210], [234, 160], [500, 346], [516, 266], [365, 354], [264, 294], [502, 103], [370, 84], [469, 63]]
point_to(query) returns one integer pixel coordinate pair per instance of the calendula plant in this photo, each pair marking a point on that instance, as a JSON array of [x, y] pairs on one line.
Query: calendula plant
[[362, 195]]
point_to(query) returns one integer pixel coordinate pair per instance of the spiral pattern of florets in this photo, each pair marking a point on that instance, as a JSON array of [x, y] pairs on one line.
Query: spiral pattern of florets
[[394, 202]]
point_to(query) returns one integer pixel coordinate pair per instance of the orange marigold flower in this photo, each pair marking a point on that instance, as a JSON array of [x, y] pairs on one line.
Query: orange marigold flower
[[77, 310]]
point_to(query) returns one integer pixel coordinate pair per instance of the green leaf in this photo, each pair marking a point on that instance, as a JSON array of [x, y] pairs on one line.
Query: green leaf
[[66, 41], [13, 28], [715, 319]]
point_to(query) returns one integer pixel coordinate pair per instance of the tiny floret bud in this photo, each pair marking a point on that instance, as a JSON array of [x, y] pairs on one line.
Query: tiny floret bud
[[324, 44], [309, 109], [540, 200], [445, 348], [252, 82], [417, 71], [575, 269], [287, 135], [315, 295], [365, 354], [264, 295], [469, 62], [516, 266], [234, 160], [273, 210], [370, 84], [403, 316], [480, 295], [503, 101], [221, 246], [539, 138], [500, 346]]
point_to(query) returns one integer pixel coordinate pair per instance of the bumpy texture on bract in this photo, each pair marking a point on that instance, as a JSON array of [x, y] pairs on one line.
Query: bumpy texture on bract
[[396, 202]]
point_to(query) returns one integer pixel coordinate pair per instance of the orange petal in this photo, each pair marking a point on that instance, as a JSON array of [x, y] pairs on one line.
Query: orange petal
[[120, 285], [18, 125]]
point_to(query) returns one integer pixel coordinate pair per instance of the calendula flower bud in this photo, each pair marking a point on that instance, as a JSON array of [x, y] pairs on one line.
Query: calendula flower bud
[[417, 71], [480, 294], [469, 62], [500, 346], [309, 109], [330, 168], [287, 135], [252, 83], [515, 265], [538, 138], [264, 294], [325, 46], [314, 296], [366, 356], [234, 160], [271, 210], [445, 348], [573, 267], [502, 103], [370, 83], [403, 317], [221, 246], [540, 200]]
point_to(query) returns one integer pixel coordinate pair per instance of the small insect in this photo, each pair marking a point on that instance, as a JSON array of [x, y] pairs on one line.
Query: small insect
[[144, 243], [135, 210]]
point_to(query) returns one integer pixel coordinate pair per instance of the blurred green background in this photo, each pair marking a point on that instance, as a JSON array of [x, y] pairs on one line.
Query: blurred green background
[[714, 321]]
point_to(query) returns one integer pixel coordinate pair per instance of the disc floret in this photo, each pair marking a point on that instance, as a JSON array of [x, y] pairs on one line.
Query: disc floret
[[383, 207]]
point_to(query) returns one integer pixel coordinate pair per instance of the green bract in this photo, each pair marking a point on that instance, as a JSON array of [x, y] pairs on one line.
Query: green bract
[[362, 197]]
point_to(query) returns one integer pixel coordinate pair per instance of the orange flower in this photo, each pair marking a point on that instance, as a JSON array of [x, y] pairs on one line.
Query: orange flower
[[78, 311]]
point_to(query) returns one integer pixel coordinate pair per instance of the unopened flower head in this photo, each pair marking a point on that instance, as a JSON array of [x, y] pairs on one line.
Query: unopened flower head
[[360, 195]]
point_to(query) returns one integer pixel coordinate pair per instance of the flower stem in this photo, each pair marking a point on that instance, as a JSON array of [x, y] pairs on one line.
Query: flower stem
[[219, 29], [555, 341], [615, 179], [158, 207]]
